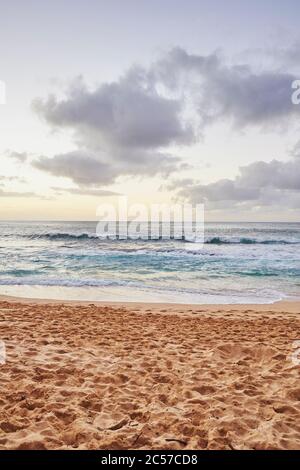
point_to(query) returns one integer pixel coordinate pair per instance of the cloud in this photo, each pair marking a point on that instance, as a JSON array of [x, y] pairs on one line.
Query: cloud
[[4, 193], [79, 166], [126, 127], [12, 178], [85, 168], [129, 113], [280, 57], [19, 156], [86, 192], [229, 92], [258, 184], [120, 128]]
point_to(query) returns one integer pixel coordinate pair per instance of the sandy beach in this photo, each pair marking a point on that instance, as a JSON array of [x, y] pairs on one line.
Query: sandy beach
[[149, 376]]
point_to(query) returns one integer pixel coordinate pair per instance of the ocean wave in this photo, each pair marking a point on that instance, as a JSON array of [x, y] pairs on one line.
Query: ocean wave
[[92, 283], [248, 241], [107, 238], [59, 282], [216, 240]]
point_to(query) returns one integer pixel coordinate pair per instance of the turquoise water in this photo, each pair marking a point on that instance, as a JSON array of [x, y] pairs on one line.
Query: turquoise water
[[238, 263]]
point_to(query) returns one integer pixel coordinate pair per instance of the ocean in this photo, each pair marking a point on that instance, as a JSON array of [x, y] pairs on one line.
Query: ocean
[[238, 263]]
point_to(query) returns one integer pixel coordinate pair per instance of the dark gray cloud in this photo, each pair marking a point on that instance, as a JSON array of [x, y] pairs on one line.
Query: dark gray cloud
[[222, 190], [120, 129], [229, 92], [140, 111], [129, 113], [85, 168], [125, 128], [79, 166], [260, 183], [276, 174]]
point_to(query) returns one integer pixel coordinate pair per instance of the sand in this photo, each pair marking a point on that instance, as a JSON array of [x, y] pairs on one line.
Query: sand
[[137, 376]]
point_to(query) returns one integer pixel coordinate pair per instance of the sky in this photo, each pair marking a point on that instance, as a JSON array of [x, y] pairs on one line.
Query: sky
[[167, 101]]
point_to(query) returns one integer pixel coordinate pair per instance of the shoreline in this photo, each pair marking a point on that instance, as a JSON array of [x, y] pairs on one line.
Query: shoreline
[[134, 295], [291, 306]]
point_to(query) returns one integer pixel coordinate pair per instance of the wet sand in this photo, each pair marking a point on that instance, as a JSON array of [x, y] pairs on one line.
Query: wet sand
[[149, 376]]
